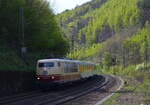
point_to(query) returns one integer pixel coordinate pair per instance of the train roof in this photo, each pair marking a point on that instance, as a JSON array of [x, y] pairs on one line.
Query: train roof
[[66, 60]]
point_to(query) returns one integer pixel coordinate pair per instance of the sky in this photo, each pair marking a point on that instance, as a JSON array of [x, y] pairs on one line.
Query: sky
[[60, 5]]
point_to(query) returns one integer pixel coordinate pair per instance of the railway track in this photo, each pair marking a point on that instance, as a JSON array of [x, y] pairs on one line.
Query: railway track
[[57, 97]]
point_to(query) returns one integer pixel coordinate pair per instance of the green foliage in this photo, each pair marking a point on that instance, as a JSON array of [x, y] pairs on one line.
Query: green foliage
[[142, 66], [40, 27], [108, 18], [137, 81], [106, 59], [116, 13], [85, 52], [138, 44], [9, 59], [42, 36], [120, 70]]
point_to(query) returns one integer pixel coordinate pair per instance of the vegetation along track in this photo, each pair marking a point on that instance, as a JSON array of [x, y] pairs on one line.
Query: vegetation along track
[[58, 96]]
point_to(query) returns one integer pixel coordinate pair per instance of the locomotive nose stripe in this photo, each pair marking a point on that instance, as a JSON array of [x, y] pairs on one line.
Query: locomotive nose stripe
[[50, 77]]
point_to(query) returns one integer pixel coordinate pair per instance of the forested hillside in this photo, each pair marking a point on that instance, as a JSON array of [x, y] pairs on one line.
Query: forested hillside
[[109, 29], [92, 20], [28, 31]]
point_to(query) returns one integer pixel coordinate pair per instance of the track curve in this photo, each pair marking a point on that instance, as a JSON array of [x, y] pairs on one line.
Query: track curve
[[61, 96]]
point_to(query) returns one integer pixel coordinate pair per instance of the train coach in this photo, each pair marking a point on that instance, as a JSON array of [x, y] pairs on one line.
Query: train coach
[[60, 71]]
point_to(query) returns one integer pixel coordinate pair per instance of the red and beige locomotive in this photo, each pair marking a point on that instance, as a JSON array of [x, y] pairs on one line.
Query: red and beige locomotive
[[58, 71]]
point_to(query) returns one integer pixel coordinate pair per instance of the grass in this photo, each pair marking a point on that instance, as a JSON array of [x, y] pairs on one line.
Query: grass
[[112, 99], [138, 81]]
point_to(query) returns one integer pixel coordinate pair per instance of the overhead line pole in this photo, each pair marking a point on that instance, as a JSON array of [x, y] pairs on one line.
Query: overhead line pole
[[72, 46], [145, 52], [22, 34], [22, 25]]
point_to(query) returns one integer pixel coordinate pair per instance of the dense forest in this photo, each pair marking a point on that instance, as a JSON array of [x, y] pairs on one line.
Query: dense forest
[[108, 31], [28, 31]]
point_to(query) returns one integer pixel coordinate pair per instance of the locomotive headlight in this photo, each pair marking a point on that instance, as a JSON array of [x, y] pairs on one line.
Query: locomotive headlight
[[38, 78], [52, 77]]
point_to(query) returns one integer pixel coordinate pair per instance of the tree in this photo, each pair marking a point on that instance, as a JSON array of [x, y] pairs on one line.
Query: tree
[[145, 11], [40, 27], [107, 60]]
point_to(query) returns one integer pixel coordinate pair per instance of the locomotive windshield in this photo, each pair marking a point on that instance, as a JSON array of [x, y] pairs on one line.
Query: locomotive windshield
[[46, 64]]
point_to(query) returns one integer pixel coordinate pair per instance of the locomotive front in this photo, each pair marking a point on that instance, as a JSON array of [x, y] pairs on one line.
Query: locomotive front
[[48, 71]]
